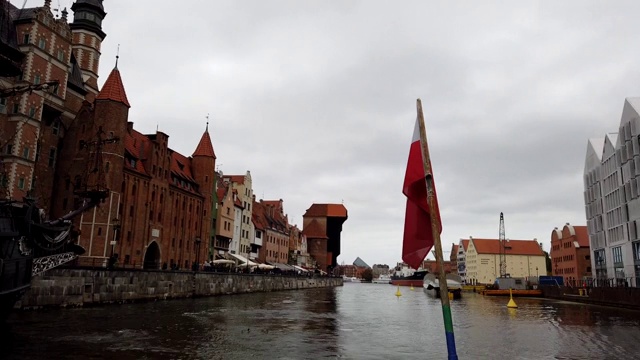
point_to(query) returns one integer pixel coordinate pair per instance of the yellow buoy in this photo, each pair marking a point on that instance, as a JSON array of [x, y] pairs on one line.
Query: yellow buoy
[[398, 293], [511, 304], [411, 287], [450, 296]]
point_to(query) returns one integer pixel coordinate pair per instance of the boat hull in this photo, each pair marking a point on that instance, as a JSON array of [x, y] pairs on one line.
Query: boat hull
[[454, 285], [410, 282], [456, 294], [415, 280]]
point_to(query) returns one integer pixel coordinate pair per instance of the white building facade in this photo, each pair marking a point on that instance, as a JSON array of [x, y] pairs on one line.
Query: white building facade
[[612, 199]]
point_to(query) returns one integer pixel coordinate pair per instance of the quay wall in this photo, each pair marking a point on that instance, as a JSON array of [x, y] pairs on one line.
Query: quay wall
[[624, 297], [78, 287]]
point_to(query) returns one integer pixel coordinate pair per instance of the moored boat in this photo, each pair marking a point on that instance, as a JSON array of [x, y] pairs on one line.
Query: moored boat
[[382, 279], [415, 279], [431, 285]]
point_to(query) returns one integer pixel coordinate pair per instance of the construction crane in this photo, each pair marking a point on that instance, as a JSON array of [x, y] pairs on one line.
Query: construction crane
[[503, 245]]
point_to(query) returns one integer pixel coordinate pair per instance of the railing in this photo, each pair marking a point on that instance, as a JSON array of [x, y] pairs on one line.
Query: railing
[[603, 282]]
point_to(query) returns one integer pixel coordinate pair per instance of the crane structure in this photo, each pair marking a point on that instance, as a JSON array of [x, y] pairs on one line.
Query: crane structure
[[503, 245]]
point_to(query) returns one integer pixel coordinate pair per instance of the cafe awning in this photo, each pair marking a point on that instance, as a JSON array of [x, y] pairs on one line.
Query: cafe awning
[[243, 259]]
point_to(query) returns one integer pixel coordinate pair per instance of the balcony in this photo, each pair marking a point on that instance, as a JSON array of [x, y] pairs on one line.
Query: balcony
[[257, 241]]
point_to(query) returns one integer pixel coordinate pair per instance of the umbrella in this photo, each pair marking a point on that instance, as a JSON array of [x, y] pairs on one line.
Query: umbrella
[[223, 261]]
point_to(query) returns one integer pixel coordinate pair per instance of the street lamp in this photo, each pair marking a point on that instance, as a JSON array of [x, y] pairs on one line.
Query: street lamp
[[197, 266]]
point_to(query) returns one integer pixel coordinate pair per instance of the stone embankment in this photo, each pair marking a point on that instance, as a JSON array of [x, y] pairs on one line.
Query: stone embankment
[[77, 287]]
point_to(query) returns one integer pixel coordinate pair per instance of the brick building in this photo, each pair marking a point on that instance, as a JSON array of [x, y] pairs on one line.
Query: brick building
[[269, 217], [60, 62], [433, 267], [322, 225], [159, 207], [298, 253], [570, 253], [453, 258]]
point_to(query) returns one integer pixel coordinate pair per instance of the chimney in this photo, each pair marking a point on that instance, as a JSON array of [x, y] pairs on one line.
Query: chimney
[[129, 126]]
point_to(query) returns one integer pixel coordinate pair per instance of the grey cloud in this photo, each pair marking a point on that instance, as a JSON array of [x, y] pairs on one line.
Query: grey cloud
[[317, 99]]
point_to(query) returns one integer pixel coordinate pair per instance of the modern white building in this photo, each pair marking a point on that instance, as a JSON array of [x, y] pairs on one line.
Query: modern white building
[[612, 201]]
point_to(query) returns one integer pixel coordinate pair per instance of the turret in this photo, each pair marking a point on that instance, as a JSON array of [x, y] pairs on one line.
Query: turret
[[203, 163], [87, 39]]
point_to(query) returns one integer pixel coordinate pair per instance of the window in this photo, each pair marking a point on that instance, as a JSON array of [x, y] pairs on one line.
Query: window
[[617, 254], [16, 108], [32, 112], [52, 157], [55, 128], [36, 79], [42, 43], [25, 152], [60, 55], [21, 183], [636, 251], [25, 38], [3, 105]]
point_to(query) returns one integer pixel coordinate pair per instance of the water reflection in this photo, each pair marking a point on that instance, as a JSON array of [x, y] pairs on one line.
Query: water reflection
[[356, 321]]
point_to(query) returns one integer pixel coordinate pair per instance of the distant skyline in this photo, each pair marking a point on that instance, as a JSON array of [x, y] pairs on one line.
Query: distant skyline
[[317, 100]]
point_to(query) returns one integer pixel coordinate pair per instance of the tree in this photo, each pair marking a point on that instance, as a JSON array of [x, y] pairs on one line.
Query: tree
[[367, 274]]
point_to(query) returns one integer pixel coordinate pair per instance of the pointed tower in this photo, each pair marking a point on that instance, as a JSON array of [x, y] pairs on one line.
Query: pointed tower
[[204, 166], [87, 39]]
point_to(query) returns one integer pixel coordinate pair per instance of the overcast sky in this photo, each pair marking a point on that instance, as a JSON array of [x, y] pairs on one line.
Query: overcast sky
[[317, 100]]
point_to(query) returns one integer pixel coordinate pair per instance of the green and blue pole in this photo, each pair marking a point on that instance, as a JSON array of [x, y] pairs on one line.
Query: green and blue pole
[[437, 244]]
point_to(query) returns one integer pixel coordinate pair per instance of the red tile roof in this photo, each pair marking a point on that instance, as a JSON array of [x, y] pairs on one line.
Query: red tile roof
[[314, 230], [113, 89], [465, 244], [326, 210], [513, 247], [454, 249], [138, 146], [221, 191], [239, 179], [258, 216], [181, 166], [205, 147], [237, 201]]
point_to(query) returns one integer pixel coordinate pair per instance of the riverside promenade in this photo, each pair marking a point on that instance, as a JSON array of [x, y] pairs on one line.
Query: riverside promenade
[[87, 287]]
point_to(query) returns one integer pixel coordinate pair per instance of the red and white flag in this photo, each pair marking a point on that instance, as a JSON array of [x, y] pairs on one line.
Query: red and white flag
[[418, 235]]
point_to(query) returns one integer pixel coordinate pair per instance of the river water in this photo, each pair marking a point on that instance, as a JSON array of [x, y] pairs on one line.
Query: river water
[[355, 321]]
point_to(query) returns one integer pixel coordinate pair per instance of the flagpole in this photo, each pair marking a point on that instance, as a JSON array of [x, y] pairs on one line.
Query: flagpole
[[444, 292]]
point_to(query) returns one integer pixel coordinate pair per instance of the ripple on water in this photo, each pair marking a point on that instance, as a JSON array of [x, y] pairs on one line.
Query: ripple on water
[[360, 321]]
